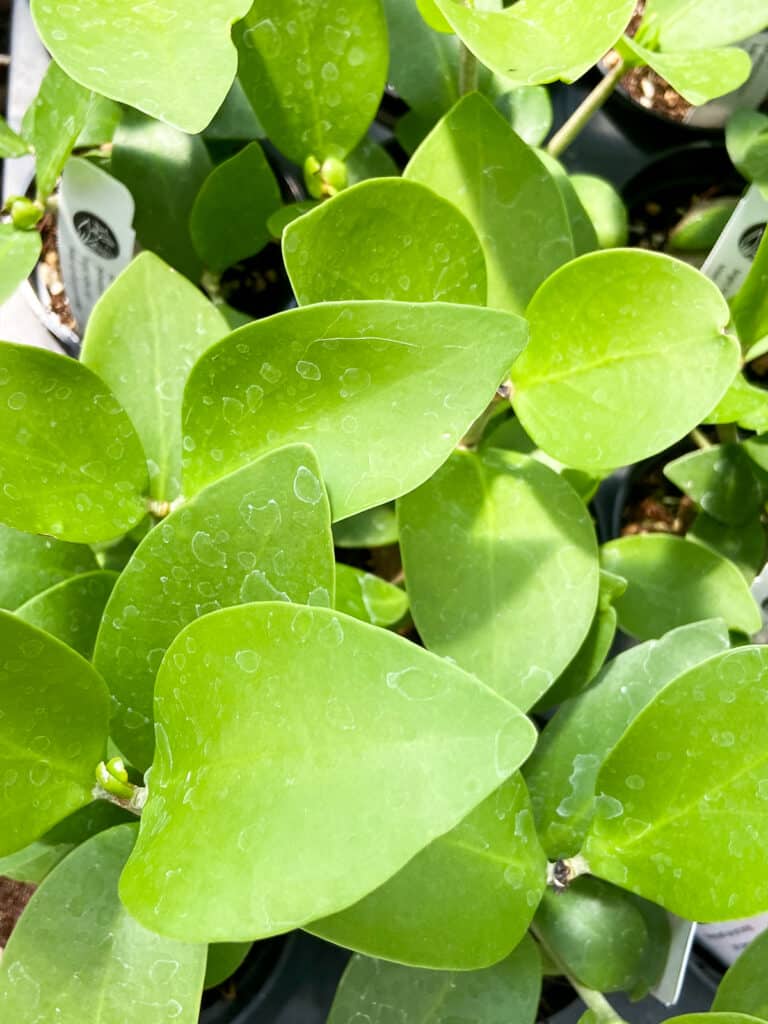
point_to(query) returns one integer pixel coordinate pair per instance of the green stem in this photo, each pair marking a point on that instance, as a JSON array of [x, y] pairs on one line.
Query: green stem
[[582, 114], [112, 785], [595, 1001], [700, 439], [468, 70], [727, 433]]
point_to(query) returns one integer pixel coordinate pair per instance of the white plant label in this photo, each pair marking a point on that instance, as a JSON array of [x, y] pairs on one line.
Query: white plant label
[[747, 97], [670, 985], [731, 258], [95, 234]]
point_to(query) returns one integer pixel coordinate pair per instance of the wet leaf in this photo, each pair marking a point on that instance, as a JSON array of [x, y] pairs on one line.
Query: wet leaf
[[71, 611], [32, 563], [19, 253], [692, 24], [369, 598], [722, 480], [698, 75], [423, 63], [742, 545]]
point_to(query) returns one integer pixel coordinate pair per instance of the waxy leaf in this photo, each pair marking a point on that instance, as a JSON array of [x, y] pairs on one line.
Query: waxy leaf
[[77, 955], [672, 581], [369, 598], [698, 75], [103, 118], [501, 566], [19, 252], [314, 74], [228, 221], [143, 337], [31, 564], [561, 773], [743, 404], [223, 960], [330, 375], [491, 862], [53, 731], [374, 990], [605, 208], [693, 24], [235, 119], [174, 61], [681, 817], [71, 464], [583, 234], [370, 529], [723, 480], [750, 303], [387, 749], [262, 533], [388, 238], [11, 144], [743, 545], [744, 989], [606, 336], [71, 611], [423, 63], [474, 159], [369, 160]]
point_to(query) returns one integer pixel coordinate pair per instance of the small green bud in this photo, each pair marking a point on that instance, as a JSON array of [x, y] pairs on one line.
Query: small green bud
[[26, 213], [312, 178], [325, 179]]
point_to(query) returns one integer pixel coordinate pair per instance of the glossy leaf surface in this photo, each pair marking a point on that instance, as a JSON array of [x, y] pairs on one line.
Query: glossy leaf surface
[[355, 775], [744, 989], [78, 955], [368, 597], [491, 862], [71, 611], [605, 336], [723, 480], [52, 734], [750, 303], [370, 529], [693, 24], [32, 563], [19, 252], [688, 828], [672, 582], [605, 208], [388, 238], [142, 339], [12, 144], [175, 62], [330, 375], [262, 533], [501, 566], [561, 773], [474, 159], [71, 463], [698, 75]]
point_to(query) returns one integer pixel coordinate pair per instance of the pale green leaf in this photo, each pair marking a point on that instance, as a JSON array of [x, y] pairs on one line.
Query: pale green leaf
[[31, 564], [369, 598], [582, 229], [474, 159], [101, 123], [528, 108], [370, 529], [605, 337], [698, 75], [71, 611], [430, 12], [330, 375], [501, 567], [605, 208], [77, 955], [672, 582], [173, 61], [744, 989], [750, 303], [723, 480], [262, 533], [744, 404], [387, 238], [19, 253], [11, 144], [317, 794], [746, 136], [492, 863], [143, 336], [702, 225], [71, 463], [715, 1018], [423, 63], [693, 24]]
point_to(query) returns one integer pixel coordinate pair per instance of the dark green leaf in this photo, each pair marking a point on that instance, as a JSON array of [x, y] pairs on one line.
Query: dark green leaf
[[744, 989], [742, 545], [235, 119], [701, 227], [369, 160], [223, 960], [423, 63], [369, 598], [722, 480], [31, 563], [71, 611], [750, 303], [19, 252]]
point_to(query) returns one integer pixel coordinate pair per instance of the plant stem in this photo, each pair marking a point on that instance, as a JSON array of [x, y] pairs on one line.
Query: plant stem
[[468, 70], [582, 114], [700, 439], [562, 872], [592, 999], [727, 433]]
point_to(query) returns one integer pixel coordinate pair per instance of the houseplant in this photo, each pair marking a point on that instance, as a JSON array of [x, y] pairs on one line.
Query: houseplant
[[217, 674]]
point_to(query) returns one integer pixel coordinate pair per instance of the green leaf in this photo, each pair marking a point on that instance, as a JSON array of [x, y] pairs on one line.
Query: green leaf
[[605, 208], [672, 582], [687, 828], [698, 75], [582, 229], [606, 336], [330, 375], [77, 955], [307, 824], [423, 63], [19, 253], [701, 227], [369, 598], [174, 62], [750, 303], [561, 773], [71, 464], [607, 939], [474, 159], [375, 990], [723, 480], [314, 74], [528, 108], [262, 533], [430, 12], [385, 239], [71, 611], [743, 545], [143, 336], [744, 989], [373, 528], [369, 160], [11, 144], [164, 170], [53, 731], [52, 124], [744, 404], [491, 862], [539, 41], [228, 221], [694, 24], [235, 119], [101, 123], [32, 563], [714, 1018], [501, 566], [223, 960]]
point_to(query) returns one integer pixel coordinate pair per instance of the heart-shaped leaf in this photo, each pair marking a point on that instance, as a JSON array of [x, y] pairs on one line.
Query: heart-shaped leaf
[[475, 160], [71, 611], [501, 565], [53, 731], [744, 989], [388, 238], [386, 733], [19, 252], [698, 75], [144, 349], [491, 862], [71, 463], [262, 533], [330, 375], [687, 828], [78, 955], [606, 336], [369, 598], [693, 24], [32, 563], [125, 54]]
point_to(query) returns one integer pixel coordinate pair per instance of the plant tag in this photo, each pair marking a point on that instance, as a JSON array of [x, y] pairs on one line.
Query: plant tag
[[682, 933], [748, 96], [731, 258], [95, 234]]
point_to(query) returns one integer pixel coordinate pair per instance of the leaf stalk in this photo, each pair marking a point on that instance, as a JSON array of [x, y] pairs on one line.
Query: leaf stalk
[[578, 120]]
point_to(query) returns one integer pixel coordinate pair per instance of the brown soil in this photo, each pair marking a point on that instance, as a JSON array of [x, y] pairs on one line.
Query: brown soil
[[656, 506], [50, 273], [14, 896]]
